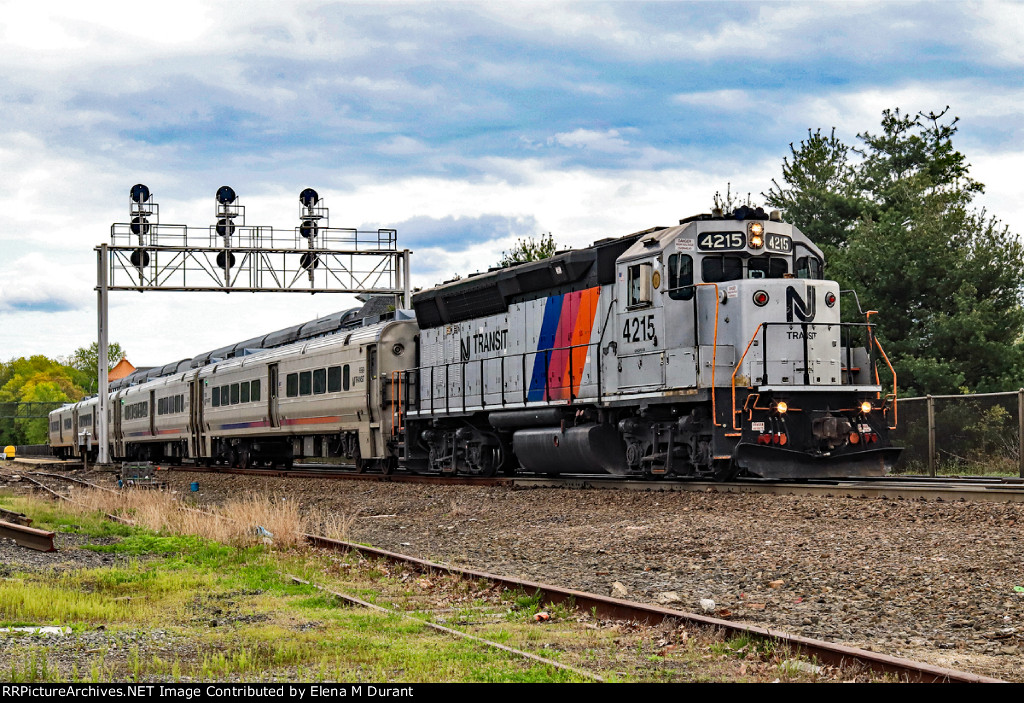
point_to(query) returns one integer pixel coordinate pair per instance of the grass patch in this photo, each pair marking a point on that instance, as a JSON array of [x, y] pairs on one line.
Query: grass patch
[[183, 607]]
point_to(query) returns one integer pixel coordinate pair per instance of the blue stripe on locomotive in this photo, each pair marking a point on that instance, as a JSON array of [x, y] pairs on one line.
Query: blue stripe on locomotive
[[548, 331]]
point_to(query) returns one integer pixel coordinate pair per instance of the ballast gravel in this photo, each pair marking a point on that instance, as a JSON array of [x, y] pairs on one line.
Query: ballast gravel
[[933, 581]]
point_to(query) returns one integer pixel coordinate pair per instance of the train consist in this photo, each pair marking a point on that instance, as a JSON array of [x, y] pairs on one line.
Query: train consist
[[708, 349]]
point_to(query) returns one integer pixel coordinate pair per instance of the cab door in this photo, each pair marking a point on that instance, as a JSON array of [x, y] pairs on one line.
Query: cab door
[[640, 327]]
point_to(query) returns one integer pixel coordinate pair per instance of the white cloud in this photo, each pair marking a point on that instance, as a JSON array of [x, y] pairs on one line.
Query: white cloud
[[37, 282], [607, 141]]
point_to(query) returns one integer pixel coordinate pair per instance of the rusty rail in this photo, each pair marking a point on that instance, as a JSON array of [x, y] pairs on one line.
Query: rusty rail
[[16, 518], [828, 652], [30, 537]]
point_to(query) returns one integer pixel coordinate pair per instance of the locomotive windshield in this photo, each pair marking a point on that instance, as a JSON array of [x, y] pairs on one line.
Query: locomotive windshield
[[716, 269], [808, 267]]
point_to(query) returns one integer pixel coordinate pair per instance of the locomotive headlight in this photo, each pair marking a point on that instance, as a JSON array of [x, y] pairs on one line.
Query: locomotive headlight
[[781, 407], [865, 407], [755, 232]]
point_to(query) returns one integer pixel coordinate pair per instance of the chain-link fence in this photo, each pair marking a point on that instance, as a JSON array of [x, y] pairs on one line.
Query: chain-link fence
[[961, 434]]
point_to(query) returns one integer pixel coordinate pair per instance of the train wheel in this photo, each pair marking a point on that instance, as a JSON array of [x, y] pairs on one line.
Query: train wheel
[[388, 465], [725, 470], [244, 459]]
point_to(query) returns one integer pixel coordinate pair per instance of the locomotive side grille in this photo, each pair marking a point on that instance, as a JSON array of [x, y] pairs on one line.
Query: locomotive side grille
[[481, 301]]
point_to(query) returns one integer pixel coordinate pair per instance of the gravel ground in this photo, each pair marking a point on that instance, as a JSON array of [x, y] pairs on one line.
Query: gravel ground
[[927, 580]]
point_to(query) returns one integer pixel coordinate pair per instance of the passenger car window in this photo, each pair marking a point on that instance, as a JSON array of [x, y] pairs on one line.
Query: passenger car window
[[334, 379], [319, 381], [292, 385], [255, 390], [305, 382], [244, 392], [346, 377]]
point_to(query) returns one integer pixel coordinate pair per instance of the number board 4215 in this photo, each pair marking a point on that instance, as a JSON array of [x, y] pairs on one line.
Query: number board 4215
[[778, 242], [721, 241]]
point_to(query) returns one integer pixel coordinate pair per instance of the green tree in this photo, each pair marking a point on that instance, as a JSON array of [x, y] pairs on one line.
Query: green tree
[[86, 359], [899, 227], [820, 192], [29, 380], [530, 249]]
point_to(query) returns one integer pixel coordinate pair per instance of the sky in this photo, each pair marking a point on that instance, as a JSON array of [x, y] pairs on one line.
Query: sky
[[464, 126]]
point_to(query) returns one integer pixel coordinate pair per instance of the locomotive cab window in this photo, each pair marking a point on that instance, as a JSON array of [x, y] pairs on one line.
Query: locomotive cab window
[[808, 267], [715, 269], [680, 277], [767, 267], [639, 285]]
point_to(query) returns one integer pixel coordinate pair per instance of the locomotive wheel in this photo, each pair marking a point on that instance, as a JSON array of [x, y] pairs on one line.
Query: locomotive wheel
[[357, 459], [489, 463], [388, 465], [725, 470]]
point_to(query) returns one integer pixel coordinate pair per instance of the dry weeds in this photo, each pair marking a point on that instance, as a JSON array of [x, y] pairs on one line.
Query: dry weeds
[[241, 521]]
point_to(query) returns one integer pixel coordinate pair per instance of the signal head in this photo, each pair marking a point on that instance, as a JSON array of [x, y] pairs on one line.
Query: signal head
[[309, 197], [226, 195], [139, 193]]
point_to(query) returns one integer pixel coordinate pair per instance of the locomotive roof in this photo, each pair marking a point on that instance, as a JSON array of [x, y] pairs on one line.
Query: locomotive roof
[[492, 292]]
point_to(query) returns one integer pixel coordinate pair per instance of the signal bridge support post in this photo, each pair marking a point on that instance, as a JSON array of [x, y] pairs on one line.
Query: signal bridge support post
[[103, 411]]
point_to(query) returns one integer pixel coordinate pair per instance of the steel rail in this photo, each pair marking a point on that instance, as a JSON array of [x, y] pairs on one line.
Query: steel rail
[[828, 652], [893, 487], [936, 490], [16, 518], [350, 475], [40, 540], [450, 631]]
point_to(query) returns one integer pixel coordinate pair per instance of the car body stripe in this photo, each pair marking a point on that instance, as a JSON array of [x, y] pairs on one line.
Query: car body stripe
[[548, 330]]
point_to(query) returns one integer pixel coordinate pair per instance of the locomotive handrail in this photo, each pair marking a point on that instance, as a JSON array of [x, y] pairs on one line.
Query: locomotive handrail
[[895, 397], [762, 328], [526, 386], [736, 370]]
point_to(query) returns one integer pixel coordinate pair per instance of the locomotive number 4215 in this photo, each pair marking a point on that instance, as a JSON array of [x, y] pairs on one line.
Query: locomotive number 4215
[[639, 329]]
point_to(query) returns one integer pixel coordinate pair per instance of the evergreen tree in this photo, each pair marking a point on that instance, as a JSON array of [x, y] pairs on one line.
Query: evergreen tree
[[899, 228]]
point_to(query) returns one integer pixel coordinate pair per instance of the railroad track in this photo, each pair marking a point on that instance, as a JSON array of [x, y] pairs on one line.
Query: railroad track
[[615, 608], [893, 487]]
